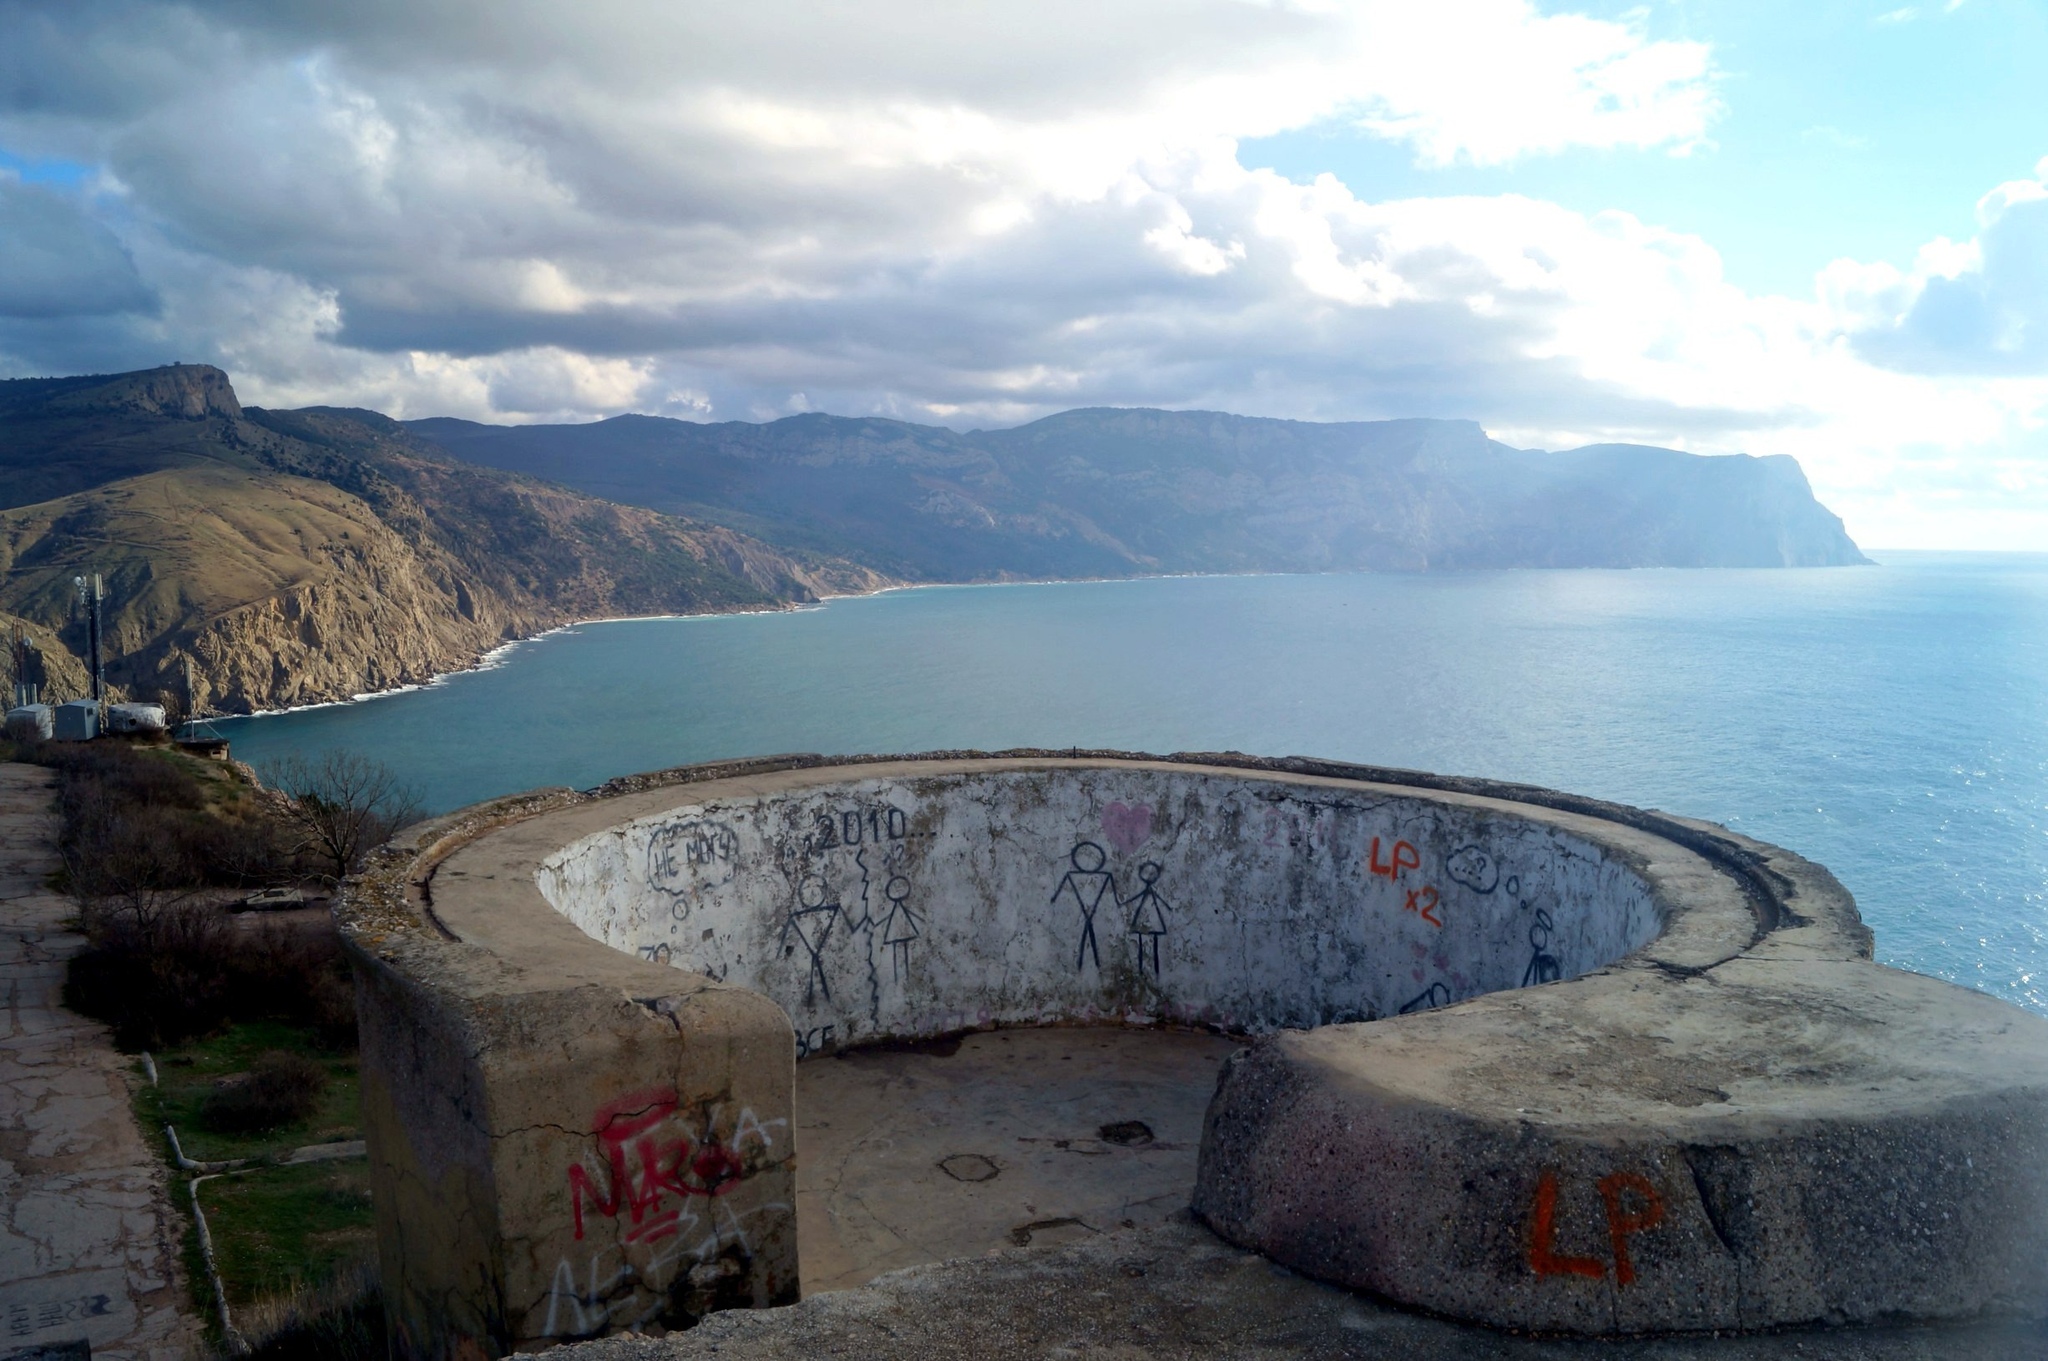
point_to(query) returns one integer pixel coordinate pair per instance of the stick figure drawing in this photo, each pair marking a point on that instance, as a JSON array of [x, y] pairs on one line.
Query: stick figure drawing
[[899, 928], [811, 921], [1086, 883], [1148, 914]]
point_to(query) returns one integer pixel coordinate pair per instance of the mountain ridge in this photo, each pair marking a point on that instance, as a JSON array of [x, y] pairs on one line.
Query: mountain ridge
[[298, 557], [1113, 491], [291, 557]]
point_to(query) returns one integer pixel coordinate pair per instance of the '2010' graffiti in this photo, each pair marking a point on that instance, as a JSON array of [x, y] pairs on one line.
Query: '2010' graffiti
[[649, 1156]]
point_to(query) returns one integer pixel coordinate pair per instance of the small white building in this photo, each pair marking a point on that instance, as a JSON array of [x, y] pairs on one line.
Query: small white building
[[31, 723], [136, 718], [78, 721]]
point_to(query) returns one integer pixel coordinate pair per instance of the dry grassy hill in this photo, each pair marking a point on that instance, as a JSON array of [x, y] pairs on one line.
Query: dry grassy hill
[[302, 556]]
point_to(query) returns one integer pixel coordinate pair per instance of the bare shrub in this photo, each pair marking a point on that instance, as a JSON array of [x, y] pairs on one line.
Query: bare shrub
[[141, 846], [298, 975], [159, 978], [280, 1088], [139, 835], [344, 804]]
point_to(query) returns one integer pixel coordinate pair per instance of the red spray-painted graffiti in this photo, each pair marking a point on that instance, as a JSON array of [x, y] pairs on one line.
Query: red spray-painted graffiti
[[1403, 857], [645, 1164], [1616, 1192], [1423, 903]]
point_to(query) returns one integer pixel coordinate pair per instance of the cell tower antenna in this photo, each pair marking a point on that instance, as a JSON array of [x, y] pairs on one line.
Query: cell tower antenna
[[92, 592]]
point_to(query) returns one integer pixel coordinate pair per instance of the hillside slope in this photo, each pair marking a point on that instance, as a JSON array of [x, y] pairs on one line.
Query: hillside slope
[[1106, 492], [295, 557]]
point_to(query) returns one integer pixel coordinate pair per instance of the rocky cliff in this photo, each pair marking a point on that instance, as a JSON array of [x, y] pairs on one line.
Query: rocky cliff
[[295, 557], [1110, 492]]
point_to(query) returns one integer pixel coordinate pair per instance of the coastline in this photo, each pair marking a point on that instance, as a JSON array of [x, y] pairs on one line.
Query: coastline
[[500, 654]]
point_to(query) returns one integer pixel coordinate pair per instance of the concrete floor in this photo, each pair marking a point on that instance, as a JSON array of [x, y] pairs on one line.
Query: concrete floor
[[88, 1241], [1003, 1139]]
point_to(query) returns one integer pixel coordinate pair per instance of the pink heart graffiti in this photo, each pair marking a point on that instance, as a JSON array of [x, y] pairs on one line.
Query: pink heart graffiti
[[1127, 825]]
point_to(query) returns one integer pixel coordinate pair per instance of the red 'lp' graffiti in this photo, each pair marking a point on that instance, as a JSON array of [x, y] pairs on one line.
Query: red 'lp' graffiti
[[648, 1164], [1616, 1191]]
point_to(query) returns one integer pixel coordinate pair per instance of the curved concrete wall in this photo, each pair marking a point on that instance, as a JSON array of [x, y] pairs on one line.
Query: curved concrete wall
[[581, 1015], [913, 906]]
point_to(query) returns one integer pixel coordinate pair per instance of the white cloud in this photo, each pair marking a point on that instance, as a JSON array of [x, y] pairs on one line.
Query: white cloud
[[975, 214], [1977, 307]]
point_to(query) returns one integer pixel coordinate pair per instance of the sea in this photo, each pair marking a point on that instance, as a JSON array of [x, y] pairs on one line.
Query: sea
[[1889, 721]]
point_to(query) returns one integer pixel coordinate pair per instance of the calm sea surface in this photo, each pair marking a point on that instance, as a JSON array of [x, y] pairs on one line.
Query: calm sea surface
[[1891, 722]]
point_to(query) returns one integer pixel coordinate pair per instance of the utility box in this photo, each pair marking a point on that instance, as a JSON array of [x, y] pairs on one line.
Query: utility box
[[31, 723], [136, 718], [78, 721]]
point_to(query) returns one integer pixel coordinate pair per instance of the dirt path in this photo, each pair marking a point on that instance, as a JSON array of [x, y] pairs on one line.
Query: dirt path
[[87, 1238]]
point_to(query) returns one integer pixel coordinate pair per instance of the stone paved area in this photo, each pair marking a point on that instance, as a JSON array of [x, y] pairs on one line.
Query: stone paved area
[[996, 1140], [87, 1238]]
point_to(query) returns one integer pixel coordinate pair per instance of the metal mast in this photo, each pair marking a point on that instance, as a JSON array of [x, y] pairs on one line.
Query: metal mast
[[92, 593]]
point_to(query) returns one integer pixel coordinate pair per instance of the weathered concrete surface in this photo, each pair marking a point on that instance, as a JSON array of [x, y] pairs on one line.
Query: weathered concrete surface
[[921, 897], [1178, 1293], [562, 1141], [1639, 1147], [87, 1239], [1793, 1135], [952, 1149]]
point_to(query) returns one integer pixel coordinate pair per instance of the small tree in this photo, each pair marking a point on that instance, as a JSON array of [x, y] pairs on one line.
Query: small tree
[[344, 804]]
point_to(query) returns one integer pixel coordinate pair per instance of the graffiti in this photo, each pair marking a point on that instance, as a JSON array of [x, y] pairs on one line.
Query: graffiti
[[1543, 966], [899, 928], [1617, 1190], [658, 954], [1434, 996], [1087, 883], [810, 921], [652, 1165], [1403, 857], [1475, 869], [816, 1040], [1127, 826], [617, 1294], [25, 1320], [1621, 1221], [694, 852], [851, 827], [1423, 903], [1148, 914]]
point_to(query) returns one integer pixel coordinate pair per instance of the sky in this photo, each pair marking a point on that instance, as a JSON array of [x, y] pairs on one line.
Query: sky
[[1817, 229]]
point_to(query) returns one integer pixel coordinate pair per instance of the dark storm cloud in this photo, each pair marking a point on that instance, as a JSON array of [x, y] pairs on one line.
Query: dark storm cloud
[[59, 262]]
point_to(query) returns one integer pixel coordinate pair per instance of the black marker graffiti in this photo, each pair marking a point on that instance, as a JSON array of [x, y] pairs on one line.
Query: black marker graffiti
[[1148, 915], [693, 850], [1431, 997], [810, 921], [1474, 868], [1086, 883], [899, 928], [1543, 966], [857, 826]]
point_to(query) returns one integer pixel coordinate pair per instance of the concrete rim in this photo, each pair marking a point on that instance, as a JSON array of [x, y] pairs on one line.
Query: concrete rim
[[1676, 1169]]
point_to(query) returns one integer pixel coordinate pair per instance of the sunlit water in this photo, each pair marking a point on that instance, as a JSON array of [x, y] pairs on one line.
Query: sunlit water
[[1891, 722]]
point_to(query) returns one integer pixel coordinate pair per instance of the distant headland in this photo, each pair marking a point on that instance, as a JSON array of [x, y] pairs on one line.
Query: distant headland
[[258, 559]]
